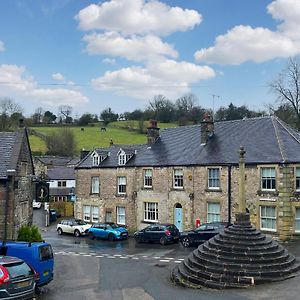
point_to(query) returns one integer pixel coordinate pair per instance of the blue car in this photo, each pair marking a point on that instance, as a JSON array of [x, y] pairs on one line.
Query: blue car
[[108, 231]]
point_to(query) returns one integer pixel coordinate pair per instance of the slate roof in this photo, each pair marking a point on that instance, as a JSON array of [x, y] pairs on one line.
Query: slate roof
[[266, 140], [50, 160], [60, 191], [61, 173], [10, 147]]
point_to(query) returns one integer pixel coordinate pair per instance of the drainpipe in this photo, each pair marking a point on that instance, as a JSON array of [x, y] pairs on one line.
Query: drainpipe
[[229, 193]]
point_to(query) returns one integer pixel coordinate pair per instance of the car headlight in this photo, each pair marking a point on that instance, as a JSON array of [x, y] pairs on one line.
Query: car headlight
[[117, 232]]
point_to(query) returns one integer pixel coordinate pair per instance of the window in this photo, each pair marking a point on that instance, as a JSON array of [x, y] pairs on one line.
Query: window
[[95, 185], [62, 183], [122, 159], [268, 179], [268, 218], [213, 178], [121, 185], [96, 160], [121, 215], [151, 211], [148, 178], [87, 213], [178, 178], [298, 179], [213, 212], [95, 214], [297, 220]]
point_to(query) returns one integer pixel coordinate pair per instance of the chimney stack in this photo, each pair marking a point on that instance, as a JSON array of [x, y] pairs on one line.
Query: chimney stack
[[152, 132], [207, 128]]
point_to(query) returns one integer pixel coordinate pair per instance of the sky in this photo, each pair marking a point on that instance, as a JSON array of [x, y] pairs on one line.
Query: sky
[[93, 55]]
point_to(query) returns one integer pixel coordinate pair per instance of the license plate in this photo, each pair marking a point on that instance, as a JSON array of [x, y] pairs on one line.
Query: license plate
[[46, 273], [124, 234], [23, 283]]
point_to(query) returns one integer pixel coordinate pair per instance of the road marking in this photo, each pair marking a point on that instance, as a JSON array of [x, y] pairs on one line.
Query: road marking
[[99, 255], [164, 260]]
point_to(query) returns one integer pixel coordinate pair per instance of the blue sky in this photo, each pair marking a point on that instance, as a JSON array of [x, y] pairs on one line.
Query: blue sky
[[121, 53]]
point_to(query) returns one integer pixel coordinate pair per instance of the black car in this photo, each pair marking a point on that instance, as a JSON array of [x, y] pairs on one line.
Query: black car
[[17, 279], [201, 234], [161, 233]]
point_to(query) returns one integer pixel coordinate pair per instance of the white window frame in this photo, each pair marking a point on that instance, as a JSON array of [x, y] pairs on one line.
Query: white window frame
[[121, 215], [213, 212], [95, 214], [86, 210], [268, 177], [264, 218], [96, 160], [122, 159], [297, 179], [297, 219], [121, 185], [178, 179], [95, 185], [213, 182], [151, 212], [148, 178], [61, 183], [108, 213]]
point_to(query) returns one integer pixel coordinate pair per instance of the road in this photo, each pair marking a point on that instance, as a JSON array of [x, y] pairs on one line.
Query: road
[[86, 269]]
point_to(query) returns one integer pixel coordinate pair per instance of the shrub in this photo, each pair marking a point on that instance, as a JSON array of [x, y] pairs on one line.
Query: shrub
[[29, 234]]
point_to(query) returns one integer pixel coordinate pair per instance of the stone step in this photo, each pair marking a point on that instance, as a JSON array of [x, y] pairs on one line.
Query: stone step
[[236, 242], [252, 254], [247, 238], [238, 265], [236, 232]]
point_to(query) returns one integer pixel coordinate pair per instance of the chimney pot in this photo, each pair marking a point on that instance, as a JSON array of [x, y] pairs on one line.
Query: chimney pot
[[152, 132], [207, 128]]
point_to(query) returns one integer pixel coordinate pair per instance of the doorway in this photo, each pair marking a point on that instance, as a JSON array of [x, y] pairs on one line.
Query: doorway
[[178, 216]]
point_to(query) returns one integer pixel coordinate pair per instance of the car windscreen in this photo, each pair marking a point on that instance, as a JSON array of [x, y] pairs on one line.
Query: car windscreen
[[80, 222], [112, 226], [45, 252], [18, 269]]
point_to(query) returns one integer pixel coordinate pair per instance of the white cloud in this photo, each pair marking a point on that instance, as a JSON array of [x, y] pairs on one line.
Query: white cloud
[[244, 43], [169, 78], [137, 17], [136, 48], [2, 48], [58, 77], [109, 61], [16, 82]]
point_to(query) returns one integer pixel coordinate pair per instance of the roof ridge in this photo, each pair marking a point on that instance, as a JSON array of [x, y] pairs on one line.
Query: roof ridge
[[280, 143], [286, 127]]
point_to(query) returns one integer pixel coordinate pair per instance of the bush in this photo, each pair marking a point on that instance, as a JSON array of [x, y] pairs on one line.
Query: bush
[[29, 234]]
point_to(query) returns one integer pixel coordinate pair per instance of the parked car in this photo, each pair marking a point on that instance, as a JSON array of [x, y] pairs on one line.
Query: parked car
[[36, 204], [77, 227], [17, 278], [109, 231], [162, 233], [201, 234], [38, 255]]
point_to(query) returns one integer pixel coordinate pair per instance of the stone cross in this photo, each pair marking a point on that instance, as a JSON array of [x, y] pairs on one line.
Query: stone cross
[[242, 198]]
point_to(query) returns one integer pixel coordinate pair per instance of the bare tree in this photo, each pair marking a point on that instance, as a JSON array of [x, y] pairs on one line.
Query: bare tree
[[8, 107], [65, 111], [287, 87]]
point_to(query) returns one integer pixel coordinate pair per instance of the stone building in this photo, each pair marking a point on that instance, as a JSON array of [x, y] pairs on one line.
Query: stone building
[[16, 183], [191, 172]]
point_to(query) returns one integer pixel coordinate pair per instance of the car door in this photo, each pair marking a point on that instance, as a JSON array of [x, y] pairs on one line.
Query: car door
[[199, 235], [156, 233], [69, 227], [147, 235]]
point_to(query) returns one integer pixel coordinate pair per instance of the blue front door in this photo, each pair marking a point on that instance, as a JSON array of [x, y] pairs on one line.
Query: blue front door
[[178, 217]]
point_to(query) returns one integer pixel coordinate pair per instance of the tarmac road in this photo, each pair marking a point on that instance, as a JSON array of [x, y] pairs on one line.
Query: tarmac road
[[86, 269]]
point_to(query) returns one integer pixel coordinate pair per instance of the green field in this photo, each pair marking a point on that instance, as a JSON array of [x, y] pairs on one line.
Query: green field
[[91, 137]]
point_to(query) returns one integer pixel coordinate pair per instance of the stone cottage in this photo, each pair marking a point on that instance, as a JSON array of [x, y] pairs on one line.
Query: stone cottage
[[16, 183], [191, 172]]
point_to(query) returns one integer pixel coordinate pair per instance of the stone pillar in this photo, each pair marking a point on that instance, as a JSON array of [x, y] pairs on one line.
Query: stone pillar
[[285, 212], [242, 197]]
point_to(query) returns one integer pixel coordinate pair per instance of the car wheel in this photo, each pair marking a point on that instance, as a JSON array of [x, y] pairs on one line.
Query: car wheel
[[91, 236], [111, 237], [76, 233], [186, 242], [59, 231], [163, 241], [138, 239]]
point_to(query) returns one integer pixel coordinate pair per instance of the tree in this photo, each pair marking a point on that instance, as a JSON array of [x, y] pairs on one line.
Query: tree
[[65, 112], [61, 142], [108, 116], [37, 117], [85, 119], [161, 109], [9, 110], [285, 112], [49, 117], [287, 87]]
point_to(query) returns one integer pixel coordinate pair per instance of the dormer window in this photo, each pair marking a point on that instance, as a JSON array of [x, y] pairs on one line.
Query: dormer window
[[123, 157], [96, 160]]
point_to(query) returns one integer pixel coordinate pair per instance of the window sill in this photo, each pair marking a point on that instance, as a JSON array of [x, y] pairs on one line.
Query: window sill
[[121, 195], [218, 190], [178, 188], [147, 187], [149, 222], [267, 192]]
